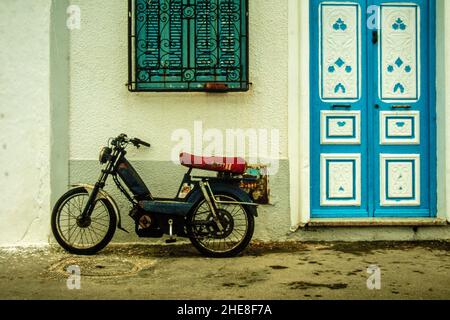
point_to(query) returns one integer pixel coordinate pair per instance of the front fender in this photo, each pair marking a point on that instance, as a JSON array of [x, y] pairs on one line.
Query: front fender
[[223, 188], [102, 194]]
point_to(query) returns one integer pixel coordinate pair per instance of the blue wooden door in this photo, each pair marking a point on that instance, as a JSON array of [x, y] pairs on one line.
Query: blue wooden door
[[372, 109]]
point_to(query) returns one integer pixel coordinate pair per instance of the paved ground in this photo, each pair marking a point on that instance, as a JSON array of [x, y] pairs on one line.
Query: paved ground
[[269, 271]]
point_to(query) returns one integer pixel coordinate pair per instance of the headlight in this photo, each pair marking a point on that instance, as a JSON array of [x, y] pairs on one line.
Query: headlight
[[105, 155]]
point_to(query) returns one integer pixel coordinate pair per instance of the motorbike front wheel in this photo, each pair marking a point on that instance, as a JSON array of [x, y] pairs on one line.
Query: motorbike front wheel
[[237, 223], [82, 236]]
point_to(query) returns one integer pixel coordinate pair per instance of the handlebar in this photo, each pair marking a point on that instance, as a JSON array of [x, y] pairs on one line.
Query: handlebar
[[138, 142], [123, 138]]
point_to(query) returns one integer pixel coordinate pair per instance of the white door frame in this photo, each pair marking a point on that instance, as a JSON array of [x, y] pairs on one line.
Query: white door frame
[[299, 110]]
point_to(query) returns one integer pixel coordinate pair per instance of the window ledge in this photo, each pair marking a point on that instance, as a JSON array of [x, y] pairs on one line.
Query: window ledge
[[377, 222]]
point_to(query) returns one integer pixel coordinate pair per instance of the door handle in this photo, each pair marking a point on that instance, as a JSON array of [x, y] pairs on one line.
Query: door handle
[[375, 37], [401, 107], [341, 106]]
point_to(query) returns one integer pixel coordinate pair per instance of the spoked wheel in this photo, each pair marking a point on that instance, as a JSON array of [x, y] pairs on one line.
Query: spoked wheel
[[78, 235], [234, 236]]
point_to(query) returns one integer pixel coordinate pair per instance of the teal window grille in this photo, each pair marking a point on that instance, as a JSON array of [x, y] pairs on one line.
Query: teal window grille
[[188, 45]]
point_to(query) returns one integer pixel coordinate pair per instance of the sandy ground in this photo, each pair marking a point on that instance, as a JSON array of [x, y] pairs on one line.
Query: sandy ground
[[266, 271]]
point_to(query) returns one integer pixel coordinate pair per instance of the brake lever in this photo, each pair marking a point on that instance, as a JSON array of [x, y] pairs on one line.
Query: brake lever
[[135, 143]]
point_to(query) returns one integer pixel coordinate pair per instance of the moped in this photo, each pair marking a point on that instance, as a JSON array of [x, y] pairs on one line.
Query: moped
[[212, 211]]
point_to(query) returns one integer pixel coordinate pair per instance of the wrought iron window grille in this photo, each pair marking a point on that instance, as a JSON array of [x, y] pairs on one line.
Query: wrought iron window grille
[[188, 45]]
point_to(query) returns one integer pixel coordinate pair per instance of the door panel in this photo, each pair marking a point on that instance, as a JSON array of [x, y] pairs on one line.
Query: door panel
[[400, 180], [400, 51], [341, 180], [340, 127], [340, 52], [339, 139], [402, 123], [372, 124], [400, 128]]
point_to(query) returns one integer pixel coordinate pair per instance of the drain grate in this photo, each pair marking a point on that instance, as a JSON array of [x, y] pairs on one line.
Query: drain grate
[[101, 267]]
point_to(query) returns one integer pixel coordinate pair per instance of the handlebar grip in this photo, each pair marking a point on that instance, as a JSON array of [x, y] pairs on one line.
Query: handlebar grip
[[145, 144]]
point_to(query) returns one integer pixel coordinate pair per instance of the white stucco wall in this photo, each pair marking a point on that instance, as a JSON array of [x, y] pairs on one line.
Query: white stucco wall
[[101, 105], [24, 122]]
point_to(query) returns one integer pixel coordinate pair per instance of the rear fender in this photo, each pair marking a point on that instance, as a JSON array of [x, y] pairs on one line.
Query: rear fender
[[223, 188]]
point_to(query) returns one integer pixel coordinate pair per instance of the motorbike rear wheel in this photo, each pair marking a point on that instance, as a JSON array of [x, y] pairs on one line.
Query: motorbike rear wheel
[[82, 237], [238, 226]]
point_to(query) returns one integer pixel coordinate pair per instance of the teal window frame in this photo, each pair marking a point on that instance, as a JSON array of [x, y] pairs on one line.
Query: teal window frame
[[188, 45]]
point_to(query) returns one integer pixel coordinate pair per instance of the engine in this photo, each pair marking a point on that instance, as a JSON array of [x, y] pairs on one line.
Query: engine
[[147, 225]]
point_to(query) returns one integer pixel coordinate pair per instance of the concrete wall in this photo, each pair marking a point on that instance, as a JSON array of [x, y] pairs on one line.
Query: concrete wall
[[59, 98], [102, 107], [34, 105], [24, 121]]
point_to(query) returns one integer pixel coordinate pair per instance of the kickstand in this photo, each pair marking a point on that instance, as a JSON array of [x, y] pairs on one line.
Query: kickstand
[[171, 239]]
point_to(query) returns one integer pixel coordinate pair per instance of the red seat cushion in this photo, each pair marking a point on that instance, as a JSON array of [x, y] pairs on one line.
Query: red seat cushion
[[218, 164]]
